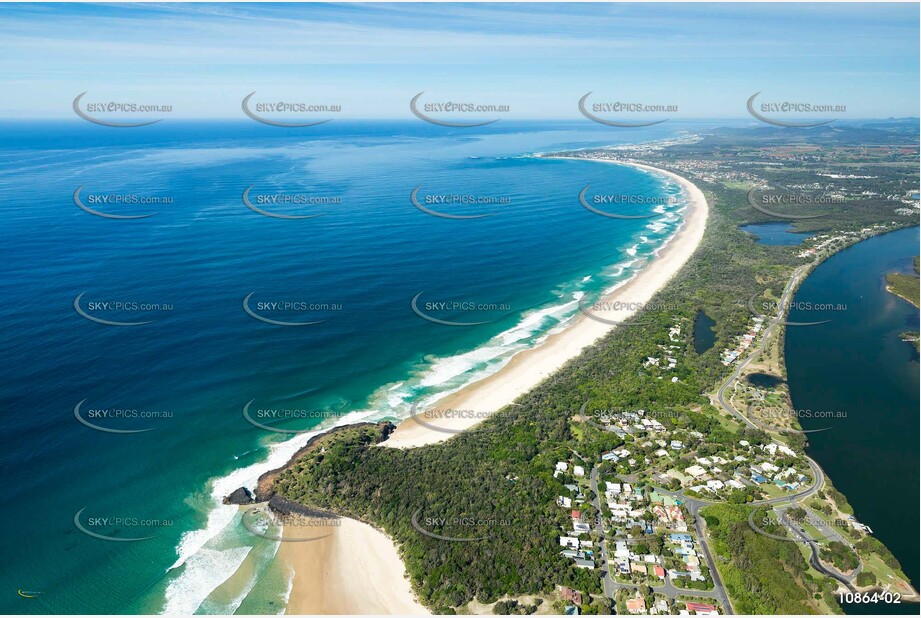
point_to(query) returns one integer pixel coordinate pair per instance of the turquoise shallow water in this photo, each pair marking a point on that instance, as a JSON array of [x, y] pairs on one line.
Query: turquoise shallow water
[[186, 376]]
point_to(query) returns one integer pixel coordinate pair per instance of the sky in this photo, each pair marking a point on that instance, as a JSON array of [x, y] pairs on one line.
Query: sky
[[538, 59]]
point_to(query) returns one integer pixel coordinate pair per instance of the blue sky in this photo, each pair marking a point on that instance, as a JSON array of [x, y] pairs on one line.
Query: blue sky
[[537, 58]]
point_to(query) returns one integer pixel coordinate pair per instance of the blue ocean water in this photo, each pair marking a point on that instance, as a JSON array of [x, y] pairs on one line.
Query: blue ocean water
[[186, 376]]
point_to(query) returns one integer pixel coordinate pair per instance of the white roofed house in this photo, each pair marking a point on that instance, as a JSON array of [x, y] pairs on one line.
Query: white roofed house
[[569, 542]]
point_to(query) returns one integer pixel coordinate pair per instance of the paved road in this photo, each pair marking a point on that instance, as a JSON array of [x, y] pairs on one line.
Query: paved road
[[694, 504], [667, 588], [827, 532], [785, 502], [606, 582], [772, 325], [800, 535]]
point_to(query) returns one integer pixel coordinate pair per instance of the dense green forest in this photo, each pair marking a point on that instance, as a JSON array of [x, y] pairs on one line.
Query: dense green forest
[[762, 575]]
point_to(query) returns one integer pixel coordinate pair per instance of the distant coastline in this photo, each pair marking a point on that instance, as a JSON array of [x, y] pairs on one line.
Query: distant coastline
[[326, 573], [530, 367]]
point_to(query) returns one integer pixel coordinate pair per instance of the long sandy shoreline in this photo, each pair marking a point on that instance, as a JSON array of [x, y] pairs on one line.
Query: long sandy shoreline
[[530, 367], [357, 569]]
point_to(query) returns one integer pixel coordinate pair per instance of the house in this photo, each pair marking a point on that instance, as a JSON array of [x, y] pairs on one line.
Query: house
[[674, 513], [578, 471], [585, 564], [576, 515], [569, 542], [572, 553], [695, 471], [701, 609], [636, 567], [715, 485], [610, 457], [659, 571], [564, 501], [758, 478], [773, 448], [574, 596], [581, 527], [636, 605], [561, 466], [571, 610]]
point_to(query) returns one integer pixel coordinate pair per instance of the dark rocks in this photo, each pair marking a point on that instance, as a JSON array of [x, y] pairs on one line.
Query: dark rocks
[[240, 496]]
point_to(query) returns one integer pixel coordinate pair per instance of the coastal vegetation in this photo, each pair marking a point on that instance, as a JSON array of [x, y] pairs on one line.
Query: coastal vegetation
[[762, 575], [905, 285], [476, 517]]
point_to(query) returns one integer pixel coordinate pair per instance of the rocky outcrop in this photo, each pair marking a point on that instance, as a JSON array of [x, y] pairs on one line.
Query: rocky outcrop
[[240, 496], [264, 487], [283, 506]]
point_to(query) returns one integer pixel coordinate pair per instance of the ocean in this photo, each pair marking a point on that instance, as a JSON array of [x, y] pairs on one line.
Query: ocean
[[124, 437]]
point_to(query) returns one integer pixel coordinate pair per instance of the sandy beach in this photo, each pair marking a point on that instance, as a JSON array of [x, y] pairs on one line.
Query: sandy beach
[[354, 570], [357, 570], [528, 368]]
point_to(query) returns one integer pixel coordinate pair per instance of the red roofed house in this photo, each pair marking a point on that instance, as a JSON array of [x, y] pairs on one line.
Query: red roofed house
[[700, 608], [571, 595], [636, 605], [659, 571]]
